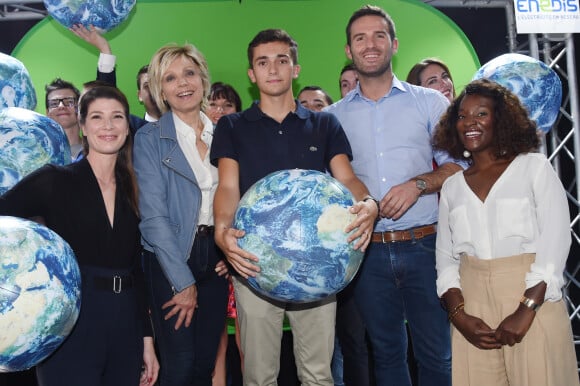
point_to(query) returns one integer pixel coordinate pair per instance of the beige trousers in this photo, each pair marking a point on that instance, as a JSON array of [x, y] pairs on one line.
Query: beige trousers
[[545, 357], [261, 323]]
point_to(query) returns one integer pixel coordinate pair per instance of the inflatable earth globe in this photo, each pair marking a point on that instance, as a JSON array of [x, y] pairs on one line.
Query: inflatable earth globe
[[538, 86], [294, 222], [16, 89], [40, 285], [28, 140], [103, 14]]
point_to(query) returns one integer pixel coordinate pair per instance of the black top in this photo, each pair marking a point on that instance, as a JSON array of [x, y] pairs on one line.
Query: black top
[[261, 145], [69, 201]]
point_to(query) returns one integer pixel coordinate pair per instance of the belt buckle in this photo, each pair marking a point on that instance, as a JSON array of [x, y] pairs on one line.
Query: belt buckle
[[117, 284], [203, 230], [383, 237]]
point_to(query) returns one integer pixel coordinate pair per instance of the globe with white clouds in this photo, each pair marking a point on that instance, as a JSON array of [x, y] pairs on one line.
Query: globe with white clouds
[[537, 86], [103, 14], [40, 286], [16, 88], [295, 224]]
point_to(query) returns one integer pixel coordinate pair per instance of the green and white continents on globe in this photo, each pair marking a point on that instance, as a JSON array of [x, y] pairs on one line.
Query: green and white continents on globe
[[40, 288], [294, 222]]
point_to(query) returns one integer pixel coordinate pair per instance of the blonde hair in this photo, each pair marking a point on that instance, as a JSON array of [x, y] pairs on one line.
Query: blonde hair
[[163, 58]]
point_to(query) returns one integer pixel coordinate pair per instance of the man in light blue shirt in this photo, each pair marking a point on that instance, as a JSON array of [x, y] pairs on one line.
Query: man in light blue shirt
[[389, 124]]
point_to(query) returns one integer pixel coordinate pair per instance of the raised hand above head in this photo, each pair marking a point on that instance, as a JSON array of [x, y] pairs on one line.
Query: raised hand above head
[[92, 36]]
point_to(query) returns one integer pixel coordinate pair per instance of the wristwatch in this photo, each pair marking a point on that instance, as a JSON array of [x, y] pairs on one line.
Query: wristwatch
[[367, 198], [421, 185]]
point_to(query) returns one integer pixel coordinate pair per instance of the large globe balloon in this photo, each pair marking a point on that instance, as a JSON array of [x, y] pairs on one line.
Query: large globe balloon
[[538, 86], [16, 89], [103, 14], [28, 140], [39, 293], [294, 222]]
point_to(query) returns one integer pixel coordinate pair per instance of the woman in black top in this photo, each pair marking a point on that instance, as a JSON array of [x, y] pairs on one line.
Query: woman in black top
[[92, 204]]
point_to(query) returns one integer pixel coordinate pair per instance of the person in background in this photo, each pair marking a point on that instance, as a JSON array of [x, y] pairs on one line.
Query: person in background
[[433, 73], [92, 204], [502, 245], [223, 100], [106, 72], [61, 102], [389, 124], [348, 79], [183, 266], [250, 145], [152, 112], [314, 98]]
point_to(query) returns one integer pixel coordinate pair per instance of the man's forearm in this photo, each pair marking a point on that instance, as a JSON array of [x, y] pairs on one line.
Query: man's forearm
[[437, 177]]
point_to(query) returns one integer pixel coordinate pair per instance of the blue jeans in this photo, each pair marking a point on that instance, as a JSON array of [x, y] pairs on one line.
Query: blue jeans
[[187, 356], [351, 334], [397, 282], [337, 364]]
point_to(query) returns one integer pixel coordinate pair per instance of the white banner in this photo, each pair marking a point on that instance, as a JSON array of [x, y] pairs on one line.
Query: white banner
[[547, 16]]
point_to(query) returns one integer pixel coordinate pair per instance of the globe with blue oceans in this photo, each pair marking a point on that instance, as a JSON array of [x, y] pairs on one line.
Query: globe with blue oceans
[[294, 222], [16, 89], [103, 14], [537, 86], [28, 140], [40, 286]]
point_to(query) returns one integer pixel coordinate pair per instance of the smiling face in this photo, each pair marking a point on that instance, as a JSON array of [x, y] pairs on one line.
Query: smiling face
[[64, 113], [371, 48], [272, 69], [182, 86], [106, 126], [475, 123], [435, 77]]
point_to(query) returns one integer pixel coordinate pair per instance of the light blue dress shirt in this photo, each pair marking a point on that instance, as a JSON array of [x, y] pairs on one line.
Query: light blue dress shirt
[[391, 143]]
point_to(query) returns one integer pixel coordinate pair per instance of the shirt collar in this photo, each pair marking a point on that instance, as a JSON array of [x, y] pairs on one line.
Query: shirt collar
[[356, 93], [254, 113], [185, 130]]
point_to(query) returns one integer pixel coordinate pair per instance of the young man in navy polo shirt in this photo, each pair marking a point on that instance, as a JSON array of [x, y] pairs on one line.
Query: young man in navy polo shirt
[[277, 133]]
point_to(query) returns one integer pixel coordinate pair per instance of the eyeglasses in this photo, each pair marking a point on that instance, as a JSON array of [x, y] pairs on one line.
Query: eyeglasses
[[224, 107], [66, 102]]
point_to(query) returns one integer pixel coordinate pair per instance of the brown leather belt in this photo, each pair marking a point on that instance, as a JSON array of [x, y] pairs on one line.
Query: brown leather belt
[[406, 235]]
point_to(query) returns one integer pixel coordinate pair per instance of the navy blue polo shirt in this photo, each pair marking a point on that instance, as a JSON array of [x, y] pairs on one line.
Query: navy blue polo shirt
[[261, 145]]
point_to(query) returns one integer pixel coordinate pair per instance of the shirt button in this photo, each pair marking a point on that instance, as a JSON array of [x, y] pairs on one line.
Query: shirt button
[[280, 132]]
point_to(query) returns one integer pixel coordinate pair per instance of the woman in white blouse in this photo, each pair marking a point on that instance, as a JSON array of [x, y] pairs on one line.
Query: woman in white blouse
[[502, 243], [183, 267]]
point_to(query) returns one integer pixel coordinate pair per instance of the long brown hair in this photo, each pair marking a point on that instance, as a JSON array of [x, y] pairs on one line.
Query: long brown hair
[[124, 172]]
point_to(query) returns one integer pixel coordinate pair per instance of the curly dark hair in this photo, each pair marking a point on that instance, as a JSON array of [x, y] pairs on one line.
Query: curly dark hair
[[514, 131]]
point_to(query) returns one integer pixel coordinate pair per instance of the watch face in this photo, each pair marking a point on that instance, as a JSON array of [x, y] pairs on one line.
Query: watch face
[[421, 185]]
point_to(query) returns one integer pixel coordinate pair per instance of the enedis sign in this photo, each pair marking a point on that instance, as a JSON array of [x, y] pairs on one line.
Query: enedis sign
[[547, 16]]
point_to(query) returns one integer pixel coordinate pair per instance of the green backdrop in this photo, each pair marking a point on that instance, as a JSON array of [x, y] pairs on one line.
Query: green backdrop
[[221, 29]]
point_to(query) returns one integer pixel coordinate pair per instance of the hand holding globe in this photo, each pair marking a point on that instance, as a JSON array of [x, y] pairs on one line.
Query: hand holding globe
[[294, 221]]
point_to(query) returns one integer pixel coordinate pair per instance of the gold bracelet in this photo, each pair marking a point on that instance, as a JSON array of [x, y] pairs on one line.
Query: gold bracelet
[[455, 311]]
